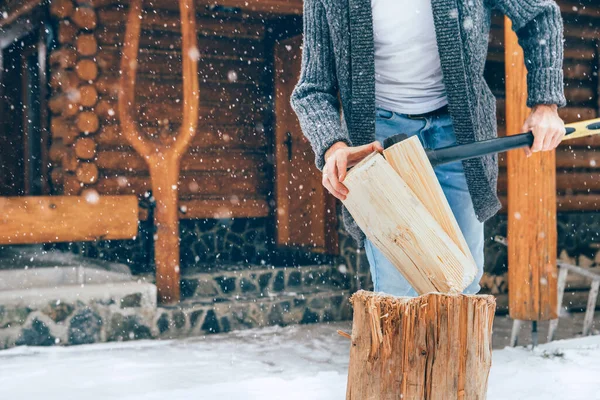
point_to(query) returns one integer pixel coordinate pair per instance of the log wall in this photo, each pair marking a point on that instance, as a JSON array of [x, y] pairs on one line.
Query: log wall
[[226, 172], [577, 162]]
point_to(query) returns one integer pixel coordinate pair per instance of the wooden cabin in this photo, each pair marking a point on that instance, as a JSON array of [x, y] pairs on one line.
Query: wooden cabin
[[250, 197]]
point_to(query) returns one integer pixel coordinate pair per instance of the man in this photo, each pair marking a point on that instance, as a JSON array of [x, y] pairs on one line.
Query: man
[[416, 67]]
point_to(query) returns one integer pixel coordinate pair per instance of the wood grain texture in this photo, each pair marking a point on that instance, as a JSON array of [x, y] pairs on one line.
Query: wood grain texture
[[45, 219], [532, 231], [396, 221], [409, 160], [435, 346]]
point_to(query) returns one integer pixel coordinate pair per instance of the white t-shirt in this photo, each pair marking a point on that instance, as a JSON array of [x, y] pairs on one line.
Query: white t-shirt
[[408, 74]]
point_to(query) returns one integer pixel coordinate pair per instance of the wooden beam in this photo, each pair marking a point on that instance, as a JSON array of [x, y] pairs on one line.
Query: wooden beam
[[46, 219], [396, 221], [532, 231]]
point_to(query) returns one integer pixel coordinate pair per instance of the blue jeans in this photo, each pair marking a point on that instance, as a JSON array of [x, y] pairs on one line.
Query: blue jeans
[[433, 132]]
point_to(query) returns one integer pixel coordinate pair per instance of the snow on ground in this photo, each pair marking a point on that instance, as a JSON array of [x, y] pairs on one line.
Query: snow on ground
[[298, 362]]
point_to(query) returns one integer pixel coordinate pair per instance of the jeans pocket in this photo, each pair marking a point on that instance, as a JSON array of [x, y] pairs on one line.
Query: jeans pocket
[[383, 114]]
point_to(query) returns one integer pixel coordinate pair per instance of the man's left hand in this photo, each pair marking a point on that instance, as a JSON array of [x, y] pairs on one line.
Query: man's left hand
[[547, 127]]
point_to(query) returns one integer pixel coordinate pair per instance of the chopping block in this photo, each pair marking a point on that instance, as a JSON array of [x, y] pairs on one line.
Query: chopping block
[[399, 204]]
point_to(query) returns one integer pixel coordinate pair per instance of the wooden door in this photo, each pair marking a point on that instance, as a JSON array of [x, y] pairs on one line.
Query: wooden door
[[306, 212]]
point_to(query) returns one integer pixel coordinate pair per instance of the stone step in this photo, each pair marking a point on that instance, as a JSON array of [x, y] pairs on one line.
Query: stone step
[[196, 317], [263, 281]]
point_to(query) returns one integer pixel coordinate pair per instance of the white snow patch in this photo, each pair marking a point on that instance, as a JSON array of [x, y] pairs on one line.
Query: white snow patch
[[298, 362]]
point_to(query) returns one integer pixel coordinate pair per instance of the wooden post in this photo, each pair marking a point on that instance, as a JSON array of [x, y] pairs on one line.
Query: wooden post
[[396, 221], [435, 346], [163, 159], [532, 232]]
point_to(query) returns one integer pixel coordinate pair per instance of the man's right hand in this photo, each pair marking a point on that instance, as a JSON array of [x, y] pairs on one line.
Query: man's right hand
[[338, 159]]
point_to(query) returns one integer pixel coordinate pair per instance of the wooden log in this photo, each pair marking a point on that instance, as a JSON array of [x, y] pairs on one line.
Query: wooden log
[[66, 32], [107, 85], [45, 219], [209, 136], [87, 173], [196, 184], [435, 346], [61, 8], [57, 103], [56, 177], [61, 104], [409, 160], [208, 46], [154, 90], [394, 219], [207, 25], [70, 163], [211, 208], [85, 18], [71, 185], [86, 44], [88, 95], [63, 79], [229, 161], [64, 57], [161, 64], [88, 122], [532, 231], [85, 148], [107, 110], [56, 151], [63, 130], [87, 69]]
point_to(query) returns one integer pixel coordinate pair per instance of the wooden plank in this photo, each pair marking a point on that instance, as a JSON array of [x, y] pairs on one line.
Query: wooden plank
[[231, 208], [576, 202], [230, 161], [215, 114], [395, 221], [306, 213], [209, 136], [562, 281], [47, 219], [223, 47], [566, 183], [591, 307], [198, 184], [408, 348], [164, 64], [154, 90], [532, 233], [266, 7], [170, 22]]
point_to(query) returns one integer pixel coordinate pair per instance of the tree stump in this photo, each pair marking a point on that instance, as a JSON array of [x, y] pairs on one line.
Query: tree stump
[[435, 346]]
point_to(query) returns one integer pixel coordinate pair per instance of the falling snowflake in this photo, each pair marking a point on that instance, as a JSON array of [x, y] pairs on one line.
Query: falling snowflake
[[232, 76], [194, 54], [91, 196]]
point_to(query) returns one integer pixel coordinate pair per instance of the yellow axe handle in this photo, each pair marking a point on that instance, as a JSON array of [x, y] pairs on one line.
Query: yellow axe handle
[[582, 129]]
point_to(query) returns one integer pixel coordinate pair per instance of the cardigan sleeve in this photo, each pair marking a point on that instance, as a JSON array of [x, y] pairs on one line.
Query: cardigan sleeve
[[314, 98], [539, 27]]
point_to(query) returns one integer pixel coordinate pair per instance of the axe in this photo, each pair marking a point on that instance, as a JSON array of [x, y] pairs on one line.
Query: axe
[[467, 151]]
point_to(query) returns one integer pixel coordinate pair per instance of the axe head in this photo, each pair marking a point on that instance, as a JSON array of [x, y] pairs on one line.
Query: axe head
[[392, 140]]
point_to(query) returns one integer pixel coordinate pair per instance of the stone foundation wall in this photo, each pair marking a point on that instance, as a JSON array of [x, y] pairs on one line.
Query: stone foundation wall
[[73, 315]]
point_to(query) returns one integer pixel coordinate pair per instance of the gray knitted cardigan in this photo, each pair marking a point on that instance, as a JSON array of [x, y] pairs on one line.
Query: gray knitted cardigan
[[338, 58]]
